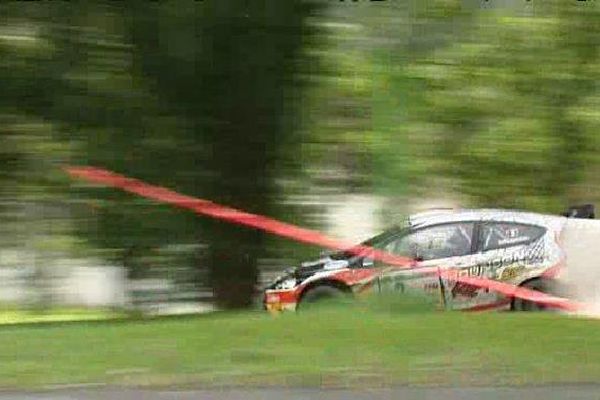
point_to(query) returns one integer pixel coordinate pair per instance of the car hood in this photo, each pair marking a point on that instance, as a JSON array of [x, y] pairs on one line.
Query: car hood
[[308, 269]]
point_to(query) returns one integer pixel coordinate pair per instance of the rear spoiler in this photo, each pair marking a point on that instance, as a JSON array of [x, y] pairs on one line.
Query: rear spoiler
[[586, 211]]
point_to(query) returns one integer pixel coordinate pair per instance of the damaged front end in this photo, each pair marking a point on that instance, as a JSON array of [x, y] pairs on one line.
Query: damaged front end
[[285, 291]]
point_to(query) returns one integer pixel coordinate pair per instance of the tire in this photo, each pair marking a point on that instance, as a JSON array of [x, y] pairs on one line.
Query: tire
[[538, 284], [320, 295]]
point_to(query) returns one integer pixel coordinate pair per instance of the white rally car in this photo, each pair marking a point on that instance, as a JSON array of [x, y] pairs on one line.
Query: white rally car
[[516, 247]]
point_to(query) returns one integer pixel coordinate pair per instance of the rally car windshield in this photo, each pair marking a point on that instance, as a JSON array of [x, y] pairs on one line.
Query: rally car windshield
[[378, 242]]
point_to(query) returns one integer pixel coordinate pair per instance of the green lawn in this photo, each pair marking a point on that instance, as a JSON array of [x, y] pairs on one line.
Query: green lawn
[[334, 347], [19, 316]]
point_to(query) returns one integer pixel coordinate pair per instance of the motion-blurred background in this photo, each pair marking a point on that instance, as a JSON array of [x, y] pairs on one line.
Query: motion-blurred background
[[336, 115]]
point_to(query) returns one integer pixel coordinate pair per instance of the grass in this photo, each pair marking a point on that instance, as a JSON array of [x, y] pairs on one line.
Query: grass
[[10, 316], [349, 346]]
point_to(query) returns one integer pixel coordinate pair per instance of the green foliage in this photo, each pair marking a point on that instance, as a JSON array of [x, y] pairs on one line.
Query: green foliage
[[198, 97], [504, 107]]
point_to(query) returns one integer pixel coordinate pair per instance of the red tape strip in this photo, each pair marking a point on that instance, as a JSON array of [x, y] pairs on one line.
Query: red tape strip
[[204, 207]]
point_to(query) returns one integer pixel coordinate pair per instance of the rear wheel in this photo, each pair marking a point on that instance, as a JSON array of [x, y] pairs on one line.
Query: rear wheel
[[540, 285], [321, 295]]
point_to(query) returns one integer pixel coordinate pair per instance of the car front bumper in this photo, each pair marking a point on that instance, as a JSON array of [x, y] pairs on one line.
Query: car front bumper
[[276, 301]]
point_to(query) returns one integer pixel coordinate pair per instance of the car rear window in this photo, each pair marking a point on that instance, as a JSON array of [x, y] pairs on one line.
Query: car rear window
[[498, 235]]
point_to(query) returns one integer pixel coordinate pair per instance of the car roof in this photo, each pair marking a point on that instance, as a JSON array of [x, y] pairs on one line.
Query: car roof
[[438, 216]]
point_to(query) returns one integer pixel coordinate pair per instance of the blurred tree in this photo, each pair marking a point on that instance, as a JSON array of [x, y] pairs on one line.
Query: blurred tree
[[507, 108], [199, 97], [364, 97], [32, 196], [227, 68]]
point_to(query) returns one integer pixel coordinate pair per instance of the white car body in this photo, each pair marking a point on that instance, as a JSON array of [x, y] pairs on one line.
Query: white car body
[[509, 246]]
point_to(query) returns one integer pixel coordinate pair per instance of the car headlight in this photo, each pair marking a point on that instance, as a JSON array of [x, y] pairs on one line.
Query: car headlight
[[285, 284]]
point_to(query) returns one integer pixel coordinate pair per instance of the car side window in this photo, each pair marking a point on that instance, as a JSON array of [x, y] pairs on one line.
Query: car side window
[[440, 241], [499, 235]]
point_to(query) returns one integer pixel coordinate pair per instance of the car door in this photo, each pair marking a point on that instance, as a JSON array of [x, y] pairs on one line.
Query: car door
[[502, 251], [438, 247]]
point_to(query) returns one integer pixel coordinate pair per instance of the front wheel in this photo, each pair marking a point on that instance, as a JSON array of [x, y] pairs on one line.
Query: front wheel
[[321, 295]]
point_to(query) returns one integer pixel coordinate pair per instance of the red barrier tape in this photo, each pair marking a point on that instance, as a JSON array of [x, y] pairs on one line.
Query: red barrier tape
[[290, 231]]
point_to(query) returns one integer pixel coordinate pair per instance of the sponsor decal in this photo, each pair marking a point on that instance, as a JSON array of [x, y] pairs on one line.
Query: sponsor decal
[[336, 264], [272, 298], [476, 270], [514, 258], [510, 272], [464, 290], [521, 239]]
